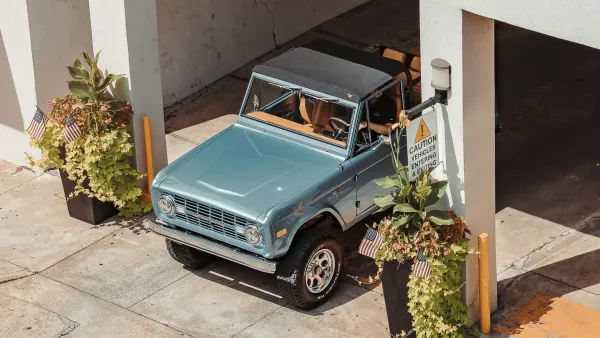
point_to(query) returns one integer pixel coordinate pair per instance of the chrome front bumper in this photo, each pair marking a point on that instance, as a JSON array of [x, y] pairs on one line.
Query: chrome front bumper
[[212, 247]]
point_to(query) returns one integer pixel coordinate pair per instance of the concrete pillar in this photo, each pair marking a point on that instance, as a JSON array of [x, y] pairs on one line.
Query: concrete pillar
[[125, 32], [466, 41], [54, 49], [17, 81]]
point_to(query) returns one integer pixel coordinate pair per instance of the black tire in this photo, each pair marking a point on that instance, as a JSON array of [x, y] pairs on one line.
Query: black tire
[[292, 269], [188, 256]]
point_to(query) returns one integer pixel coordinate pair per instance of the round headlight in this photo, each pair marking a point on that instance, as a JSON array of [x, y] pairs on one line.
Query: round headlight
[[253, 235], [166, 204]]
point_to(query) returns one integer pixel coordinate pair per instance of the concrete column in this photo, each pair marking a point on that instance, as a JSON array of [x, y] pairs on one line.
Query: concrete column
[[17, 81], [466, 41], [54, 49], [125, 32]]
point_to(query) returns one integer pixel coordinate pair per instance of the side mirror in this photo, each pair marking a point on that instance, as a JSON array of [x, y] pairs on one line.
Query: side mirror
[[381, 140], [384, 139]]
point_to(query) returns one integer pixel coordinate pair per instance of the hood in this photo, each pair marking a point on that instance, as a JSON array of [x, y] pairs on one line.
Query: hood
[[246, 171]]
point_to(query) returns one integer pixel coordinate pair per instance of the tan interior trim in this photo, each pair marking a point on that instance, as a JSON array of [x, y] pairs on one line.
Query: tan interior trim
[[303, 129], [304, 111], [415, 64], [394, 54], [414, 74]]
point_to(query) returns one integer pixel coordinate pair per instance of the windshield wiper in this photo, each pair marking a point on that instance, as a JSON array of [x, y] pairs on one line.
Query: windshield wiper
[[286, 87], [326, 99]]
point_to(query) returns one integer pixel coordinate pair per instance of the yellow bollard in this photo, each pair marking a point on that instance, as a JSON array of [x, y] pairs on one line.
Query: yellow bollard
[[484, 284], [149, 158]]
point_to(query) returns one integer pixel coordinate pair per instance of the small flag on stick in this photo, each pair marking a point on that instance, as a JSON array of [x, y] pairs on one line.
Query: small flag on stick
[[421, 268], [72, 131], [38, 125], [370, 243]]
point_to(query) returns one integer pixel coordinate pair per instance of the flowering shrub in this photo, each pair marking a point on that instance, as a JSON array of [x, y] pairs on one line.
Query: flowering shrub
[[93, 119], [416, 226], [99, 161]]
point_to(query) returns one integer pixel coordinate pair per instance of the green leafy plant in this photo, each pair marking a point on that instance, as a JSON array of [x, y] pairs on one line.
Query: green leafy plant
[[99, 161], [416, 225]]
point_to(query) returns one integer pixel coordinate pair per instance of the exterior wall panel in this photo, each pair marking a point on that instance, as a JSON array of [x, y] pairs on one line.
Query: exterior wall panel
[[200, 41]]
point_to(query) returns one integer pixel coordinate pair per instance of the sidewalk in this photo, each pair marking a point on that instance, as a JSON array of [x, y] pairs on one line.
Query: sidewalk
[[59, 276], [62, 277]]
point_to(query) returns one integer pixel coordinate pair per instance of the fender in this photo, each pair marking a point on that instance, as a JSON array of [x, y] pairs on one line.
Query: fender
[[293, 224]]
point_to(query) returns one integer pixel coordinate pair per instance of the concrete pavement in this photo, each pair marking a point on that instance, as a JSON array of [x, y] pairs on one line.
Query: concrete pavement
[[62, 277], [59, 276]]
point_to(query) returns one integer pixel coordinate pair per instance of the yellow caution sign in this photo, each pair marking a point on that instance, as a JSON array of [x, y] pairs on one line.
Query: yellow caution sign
[[422, 132], [422, 144]]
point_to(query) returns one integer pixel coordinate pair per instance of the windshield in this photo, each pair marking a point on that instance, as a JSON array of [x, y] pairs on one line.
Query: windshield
[[321, 118]]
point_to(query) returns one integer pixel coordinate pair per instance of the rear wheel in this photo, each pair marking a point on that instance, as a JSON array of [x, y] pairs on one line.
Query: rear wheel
[[311, 269], [188, 256]]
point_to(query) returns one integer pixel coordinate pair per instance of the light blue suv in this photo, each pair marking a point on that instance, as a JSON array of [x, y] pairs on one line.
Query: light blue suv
[[274, 191]]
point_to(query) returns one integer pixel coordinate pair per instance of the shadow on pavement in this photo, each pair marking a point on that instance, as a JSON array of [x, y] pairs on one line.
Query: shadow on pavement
[[546, 163], [263, 285], [532, 289]]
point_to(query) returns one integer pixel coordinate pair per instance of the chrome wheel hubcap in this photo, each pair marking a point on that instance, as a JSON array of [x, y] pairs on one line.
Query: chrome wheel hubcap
[[319, 270]]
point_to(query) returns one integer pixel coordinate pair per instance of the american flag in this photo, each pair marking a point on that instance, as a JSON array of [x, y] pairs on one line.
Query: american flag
[[421, 268], [72, 131], [370, 243], [38, 125]]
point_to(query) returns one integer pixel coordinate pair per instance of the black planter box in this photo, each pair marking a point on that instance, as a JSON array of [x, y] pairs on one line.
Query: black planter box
[[395, 292], [84, 208]]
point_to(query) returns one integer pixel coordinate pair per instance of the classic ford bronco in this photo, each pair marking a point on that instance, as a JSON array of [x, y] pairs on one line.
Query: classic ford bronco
[[274, 190]]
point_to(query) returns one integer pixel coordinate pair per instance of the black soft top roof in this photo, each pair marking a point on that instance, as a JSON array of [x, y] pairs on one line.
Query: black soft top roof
[[333, 69]]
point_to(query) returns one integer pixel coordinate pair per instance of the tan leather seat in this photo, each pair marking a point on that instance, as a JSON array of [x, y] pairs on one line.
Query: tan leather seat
[[306, 110], [415, 67], [395, 93], [415, 73], [321, 113], [394, 54], [317, 115]]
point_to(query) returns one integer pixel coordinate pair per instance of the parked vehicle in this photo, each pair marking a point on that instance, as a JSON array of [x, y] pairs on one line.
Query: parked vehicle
[[274, 191]]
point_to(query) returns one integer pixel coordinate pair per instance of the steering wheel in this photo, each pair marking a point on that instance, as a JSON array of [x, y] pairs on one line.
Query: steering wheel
[[339, 126]]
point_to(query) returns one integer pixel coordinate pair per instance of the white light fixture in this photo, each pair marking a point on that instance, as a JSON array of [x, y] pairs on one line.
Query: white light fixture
[[440, 81], [440, 74]]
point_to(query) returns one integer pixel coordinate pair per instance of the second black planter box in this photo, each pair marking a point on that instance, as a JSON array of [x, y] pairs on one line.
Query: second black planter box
[[395, 292]]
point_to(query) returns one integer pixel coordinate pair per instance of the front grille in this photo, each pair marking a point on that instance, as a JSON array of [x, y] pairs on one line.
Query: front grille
[[210, 218]]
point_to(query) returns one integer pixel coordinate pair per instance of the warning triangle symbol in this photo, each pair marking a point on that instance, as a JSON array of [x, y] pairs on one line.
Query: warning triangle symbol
[[422, 132]]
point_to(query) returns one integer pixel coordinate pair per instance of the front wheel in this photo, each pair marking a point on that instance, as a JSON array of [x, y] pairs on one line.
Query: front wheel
[[188, 256], [311, 269]]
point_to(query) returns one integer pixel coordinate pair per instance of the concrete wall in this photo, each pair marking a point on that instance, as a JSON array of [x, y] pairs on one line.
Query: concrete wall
[[203, 40], [38, 38], [131, 48], [199, 42], [572, 20], [17, 84], [466, 41], [462, 32], [60, 32]]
